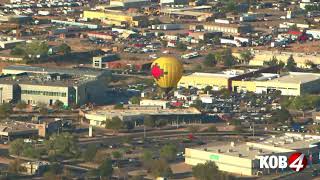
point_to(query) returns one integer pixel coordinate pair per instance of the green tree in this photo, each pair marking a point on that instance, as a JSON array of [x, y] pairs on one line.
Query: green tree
[[281, 116], [209, 171], [207, 89], [16, 147], [228, 58], [197, 104], [135, 100], [31, 152], [160, 168], [105, 169], [58, 104], [210, 60], [181, 47], [149, 121], [118, 106], [146, 158], [21, 105], [116, 154], [230, 6], [62, 145], [291, 64], [18, 51], [64, 49], [168, 152], [90, 152], [5, 110], [246, 56], [42, 108], [115, 124], [272, 62]]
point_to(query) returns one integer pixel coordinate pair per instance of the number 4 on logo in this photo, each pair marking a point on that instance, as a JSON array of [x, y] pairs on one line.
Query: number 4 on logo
[[297, 162]]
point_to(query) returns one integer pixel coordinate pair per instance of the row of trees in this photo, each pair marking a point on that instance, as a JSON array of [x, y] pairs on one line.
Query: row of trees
[[62, 145], [227, 58], [160, 167], [224, 57], [291, 65], [209, 171], [32, 52], [304, 102]]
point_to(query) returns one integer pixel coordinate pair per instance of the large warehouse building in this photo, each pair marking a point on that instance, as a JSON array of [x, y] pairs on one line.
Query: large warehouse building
[[136, 114], [46, 85], [257, 81], [291, 84], [221, 80], [243, 158], [117, 18]]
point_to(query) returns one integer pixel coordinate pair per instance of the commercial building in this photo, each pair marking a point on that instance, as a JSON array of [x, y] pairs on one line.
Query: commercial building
[[192, 12], [15, 129], [243, 158], [15, 19], [129, 3], [34, 168], [46, 85], [102, 61], [228, 28], [78, 24], [173, 2], [290, 84], [118, 18], [101, 35], [136, 114], [222, 80], [201, 80], [149, 102], [11, 43]]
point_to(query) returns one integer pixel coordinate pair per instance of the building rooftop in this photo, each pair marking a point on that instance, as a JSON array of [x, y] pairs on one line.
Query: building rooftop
[[227, 25], [223, 74], [9, 128], [105, 112], [60, 80], [275, 144], [87, 72], [294, 77]]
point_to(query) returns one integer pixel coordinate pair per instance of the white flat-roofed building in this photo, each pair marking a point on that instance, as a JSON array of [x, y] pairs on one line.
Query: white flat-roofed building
[[243, 158]]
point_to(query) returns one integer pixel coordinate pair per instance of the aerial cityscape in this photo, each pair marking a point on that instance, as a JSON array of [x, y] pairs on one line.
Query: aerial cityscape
[[159, 89]]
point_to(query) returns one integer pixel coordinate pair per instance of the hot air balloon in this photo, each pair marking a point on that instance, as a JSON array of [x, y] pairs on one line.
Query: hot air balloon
[[167, 71]]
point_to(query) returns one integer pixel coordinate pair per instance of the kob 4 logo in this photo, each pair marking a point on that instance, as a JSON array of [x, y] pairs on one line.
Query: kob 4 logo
[[297, 162]]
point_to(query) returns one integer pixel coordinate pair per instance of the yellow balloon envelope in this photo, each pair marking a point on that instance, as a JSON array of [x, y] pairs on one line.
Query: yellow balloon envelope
[[167, 71]]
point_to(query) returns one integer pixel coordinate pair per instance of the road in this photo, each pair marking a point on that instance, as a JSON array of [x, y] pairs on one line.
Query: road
[[158, 134]]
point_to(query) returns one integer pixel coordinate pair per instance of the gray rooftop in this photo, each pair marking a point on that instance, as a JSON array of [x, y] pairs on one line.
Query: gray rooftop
[[45, 79], [17, 69], [276, 144]]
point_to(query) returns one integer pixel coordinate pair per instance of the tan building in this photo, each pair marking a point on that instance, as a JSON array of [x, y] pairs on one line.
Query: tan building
[[136, 114], [290, 84], [149, 102], [34, 168], [227, 28], [243, 158], [117, 18]]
